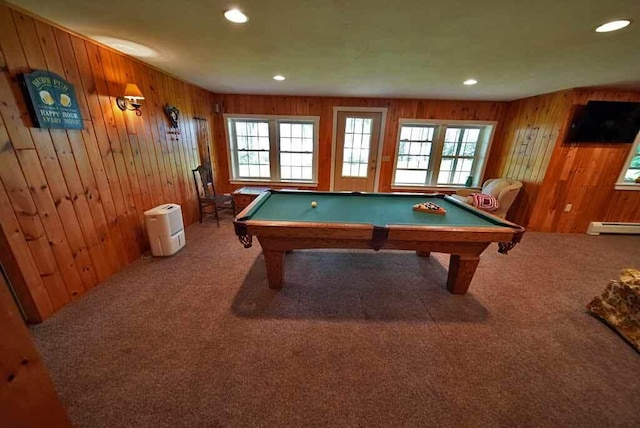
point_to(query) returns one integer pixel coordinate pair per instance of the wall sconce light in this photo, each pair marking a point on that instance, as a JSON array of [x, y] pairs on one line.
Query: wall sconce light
[[130, 99]]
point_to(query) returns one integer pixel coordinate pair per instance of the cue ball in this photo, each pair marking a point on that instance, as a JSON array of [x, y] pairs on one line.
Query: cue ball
[[314, 204]]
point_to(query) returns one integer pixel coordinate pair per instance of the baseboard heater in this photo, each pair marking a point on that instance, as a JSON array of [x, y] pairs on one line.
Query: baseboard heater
[[598, 227]]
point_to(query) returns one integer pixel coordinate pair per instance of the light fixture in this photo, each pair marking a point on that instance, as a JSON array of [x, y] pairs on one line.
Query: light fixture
[[613, 26], [278, 77], [126, 46], [130, 99], [235, 15], [470, 82]]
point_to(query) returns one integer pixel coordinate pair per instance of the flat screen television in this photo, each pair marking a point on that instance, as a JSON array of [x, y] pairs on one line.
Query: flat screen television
[[606, 121]]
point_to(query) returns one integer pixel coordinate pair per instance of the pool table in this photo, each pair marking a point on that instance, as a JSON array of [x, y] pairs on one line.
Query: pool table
[[285, 220]]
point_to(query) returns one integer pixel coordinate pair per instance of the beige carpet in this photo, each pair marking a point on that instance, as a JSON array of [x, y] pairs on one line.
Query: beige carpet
[[354, 339]]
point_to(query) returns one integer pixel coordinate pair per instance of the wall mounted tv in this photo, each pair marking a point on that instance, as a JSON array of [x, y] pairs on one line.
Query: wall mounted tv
[[606, 121]]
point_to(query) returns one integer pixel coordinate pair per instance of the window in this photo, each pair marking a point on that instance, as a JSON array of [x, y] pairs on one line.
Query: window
[[630, 176], [432, 153], [357, 139], [273, 148]]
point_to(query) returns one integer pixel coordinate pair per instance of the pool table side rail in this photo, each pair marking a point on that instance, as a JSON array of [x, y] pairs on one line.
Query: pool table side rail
[[484, 214], [519, 230], [505, 230], [365, 231]]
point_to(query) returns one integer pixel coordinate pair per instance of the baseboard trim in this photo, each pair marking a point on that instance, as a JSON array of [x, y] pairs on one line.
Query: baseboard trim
[[598, 227]]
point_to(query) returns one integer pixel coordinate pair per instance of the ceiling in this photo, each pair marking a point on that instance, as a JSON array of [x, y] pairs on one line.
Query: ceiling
[[373, 48]]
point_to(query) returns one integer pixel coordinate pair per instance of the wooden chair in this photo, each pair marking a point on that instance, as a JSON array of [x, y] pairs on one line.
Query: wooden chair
[[207, 197]]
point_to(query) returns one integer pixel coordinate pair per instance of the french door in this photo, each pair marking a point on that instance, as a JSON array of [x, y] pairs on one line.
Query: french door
[[357, 137]]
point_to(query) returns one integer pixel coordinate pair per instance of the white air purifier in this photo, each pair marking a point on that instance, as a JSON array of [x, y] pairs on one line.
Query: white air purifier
[[165, 229]]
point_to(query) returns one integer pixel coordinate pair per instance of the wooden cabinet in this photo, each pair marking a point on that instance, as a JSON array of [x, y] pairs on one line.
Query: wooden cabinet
[[244, 196]]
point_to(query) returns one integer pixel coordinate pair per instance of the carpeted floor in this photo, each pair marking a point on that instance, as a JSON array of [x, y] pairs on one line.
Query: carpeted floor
[[354, 339]]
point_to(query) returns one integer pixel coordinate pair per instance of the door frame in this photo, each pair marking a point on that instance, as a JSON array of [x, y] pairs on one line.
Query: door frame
[[383, 124]]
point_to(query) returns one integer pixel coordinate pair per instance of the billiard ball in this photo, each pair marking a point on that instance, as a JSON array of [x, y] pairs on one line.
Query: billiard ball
[[314, 204]]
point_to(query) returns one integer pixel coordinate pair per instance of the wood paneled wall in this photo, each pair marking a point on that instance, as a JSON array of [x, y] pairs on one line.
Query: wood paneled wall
[[323, 107], [72, 202], [584, 174], [531, 147], [27, 395], [523, 146]]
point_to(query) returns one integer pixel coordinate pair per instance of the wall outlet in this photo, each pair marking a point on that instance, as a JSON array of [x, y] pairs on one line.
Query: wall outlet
[[567, 208]]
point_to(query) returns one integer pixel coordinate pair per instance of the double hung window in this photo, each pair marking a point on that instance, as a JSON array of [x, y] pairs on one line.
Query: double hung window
[[433, 154], [273, 148]]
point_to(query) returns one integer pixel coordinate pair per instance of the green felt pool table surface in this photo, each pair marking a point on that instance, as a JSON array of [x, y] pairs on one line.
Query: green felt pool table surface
[[371, 208]]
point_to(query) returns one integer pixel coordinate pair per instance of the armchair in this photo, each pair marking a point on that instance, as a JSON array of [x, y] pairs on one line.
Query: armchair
[[505, 190]]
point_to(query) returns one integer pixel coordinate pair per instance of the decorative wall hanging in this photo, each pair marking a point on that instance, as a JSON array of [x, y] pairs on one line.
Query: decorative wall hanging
[[53, 102], [173, 114]]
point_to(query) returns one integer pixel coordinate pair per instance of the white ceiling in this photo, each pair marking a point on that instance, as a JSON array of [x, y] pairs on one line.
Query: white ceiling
[[376, 48]]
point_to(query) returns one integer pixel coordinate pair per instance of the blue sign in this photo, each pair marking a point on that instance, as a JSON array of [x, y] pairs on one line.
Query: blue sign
[[53, 101]]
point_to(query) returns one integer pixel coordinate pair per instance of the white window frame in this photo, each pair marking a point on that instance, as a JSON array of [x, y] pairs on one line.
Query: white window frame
[[625, 185], [274, 148], [480, 158]]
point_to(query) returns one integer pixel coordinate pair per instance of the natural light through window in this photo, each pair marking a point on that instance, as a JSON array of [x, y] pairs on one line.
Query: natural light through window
[[357, 140], [436, 153], [458, 155], [633, 173], [414, 154], [630, 175], [296, 151], [252, 149], [273, 148]]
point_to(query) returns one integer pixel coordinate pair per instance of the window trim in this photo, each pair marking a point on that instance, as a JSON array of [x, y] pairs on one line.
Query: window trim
[[620, 183], [480, 158], [274, 147]]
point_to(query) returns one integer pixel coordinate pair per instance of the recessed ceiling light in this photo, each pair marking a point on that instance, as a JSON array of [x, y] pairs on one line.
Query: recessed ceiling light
[[278, 77], [126, 46], [613, 26], [470, 82], [235, 15]]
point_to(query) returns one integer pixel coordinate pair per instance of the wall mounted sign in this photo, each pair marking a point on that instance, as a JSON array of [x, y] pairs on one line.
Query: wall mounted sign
[[53, 101]]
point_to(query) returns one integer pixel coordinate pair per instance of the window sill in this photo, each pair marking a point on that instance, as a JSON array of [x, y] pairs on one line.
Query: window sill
[[275, 183], [434, 188], [627, 186]]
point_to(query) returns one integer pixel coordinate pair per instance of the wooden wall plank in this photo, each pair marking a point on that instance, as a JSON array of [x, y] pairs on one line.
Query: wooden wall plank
[[76, 198], [27, 395], [83, 184], [31, 288], [70, 236], [146, 145], [113, 146], [164, 190], [560, 173], [12, 107], [50, 216], [96, 143]]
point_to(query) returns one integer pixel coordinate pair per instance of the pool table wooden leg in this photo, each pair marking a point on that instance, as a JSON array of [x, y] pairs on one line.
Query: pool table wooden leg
[[461, 270], [274, 261], [423, 253]]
